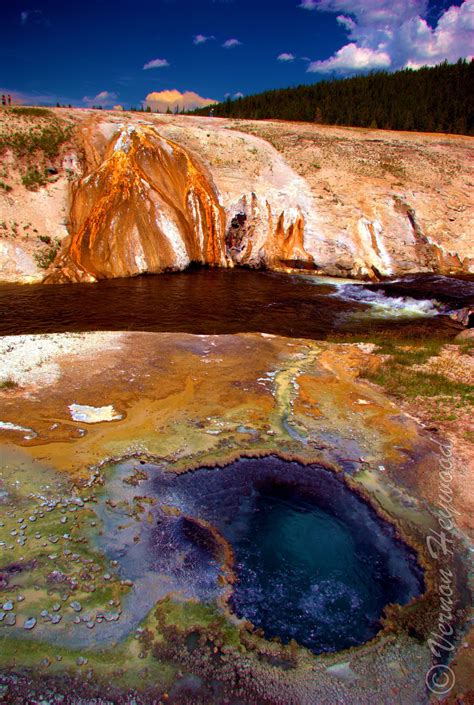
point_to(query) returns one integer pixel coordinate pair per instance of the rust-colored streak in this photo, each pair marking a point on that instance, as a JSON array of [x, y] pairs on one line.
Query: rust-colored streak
[[288, 242], [147, 207]]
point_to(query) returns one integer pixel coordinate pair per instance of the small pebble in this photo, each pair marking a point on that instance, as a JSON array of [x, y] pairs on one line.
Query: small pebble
[[29, 623]]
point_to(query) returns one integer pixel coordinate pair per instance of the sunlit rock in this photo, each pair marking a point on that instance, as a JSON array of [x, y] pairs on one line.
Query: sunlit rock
[[147, 207]]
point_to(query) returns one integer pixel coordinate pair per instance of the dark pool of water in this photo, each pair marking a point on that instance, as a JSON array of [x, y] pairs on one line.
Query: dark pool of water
[[214, 301], [314, 562]]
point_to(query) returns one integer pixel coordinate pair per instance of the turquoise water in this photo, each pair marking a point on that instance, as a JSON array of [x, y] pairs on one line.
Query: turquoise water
[[307, 574], [313, 561]]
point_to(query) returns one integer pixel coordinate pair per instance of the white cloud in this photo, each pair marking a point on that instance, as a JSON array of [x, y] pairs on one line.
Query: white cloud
[[156, 64], [352, 58], [104, 98], [238, 95], [202, 39], [172, 99], [286, 57], [395, 34], [231, 43], [24, 16]]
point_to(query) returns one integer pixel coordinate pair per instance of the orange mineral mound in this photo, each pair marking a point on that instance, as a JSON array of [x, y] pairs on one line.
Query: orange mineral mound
[[147, 207]]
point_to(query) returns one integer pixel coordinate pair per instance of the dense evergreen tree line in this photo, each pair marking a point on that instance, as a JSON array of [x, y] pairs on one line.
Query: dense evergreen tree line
[[436, 99]]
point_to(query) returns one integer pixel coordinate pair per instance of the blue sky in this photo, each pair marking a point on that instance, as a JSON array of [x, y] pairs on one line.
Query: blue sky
[[120, 52]]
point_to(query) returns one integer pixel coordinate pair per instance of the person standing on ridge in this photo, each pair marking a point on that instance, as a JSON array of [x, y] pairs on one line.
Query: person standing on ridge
[[4, 102], [9, 100]]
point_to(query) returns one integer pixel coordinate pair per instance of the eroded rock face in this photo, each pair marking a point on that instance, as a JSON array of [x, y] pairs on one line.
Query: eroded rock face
[[160, 192], [147, 207]]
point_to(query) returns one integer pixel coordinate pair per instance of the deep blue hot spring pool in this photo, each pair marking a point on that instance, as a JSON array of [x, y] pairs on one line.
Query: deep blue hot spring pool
[[313, 561]]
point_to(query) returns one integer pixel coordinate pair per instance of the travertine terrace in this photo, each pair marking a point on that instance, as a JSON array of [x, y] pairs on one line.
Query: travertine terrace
[[161, 191]]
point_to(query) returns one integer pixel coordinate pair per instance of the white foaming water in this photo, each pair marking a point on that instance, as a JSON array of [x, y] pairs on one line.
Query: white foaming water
[[383, 306]]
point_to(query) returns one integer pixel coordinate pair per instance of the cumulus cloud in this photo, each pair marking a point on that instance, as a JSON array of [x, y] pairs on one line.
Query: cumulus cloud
[[104, 98], [172, 99], [393, 34], [156, 64], [352, 58], [286, 56], [231, 43], [202, 39]]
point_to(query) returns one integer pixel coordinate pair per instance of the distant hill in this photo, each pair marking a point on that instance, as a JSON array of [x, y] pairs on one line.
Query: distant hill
[[436, 99]]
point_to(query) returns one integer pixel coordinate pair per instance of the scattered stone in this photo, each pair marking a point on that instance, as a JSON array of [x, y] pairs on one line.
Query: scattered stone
[[76, 606], [81, 661], [30, 623], [10, 619], [8, 606], [56, 618]]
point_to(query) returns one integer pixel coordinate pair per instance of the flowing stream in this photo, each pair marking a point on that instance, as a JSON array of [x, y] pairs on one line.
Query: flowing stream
[[215, 301]]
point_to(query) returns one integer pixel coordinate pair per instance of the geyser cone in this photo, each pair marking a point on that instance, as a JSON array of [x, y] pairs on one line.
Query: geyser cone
[[147, 208]]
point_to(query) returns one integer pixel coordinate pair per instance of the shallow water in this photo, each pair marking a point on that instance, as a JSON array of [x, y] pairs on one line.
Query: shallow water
[[215, 301]]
